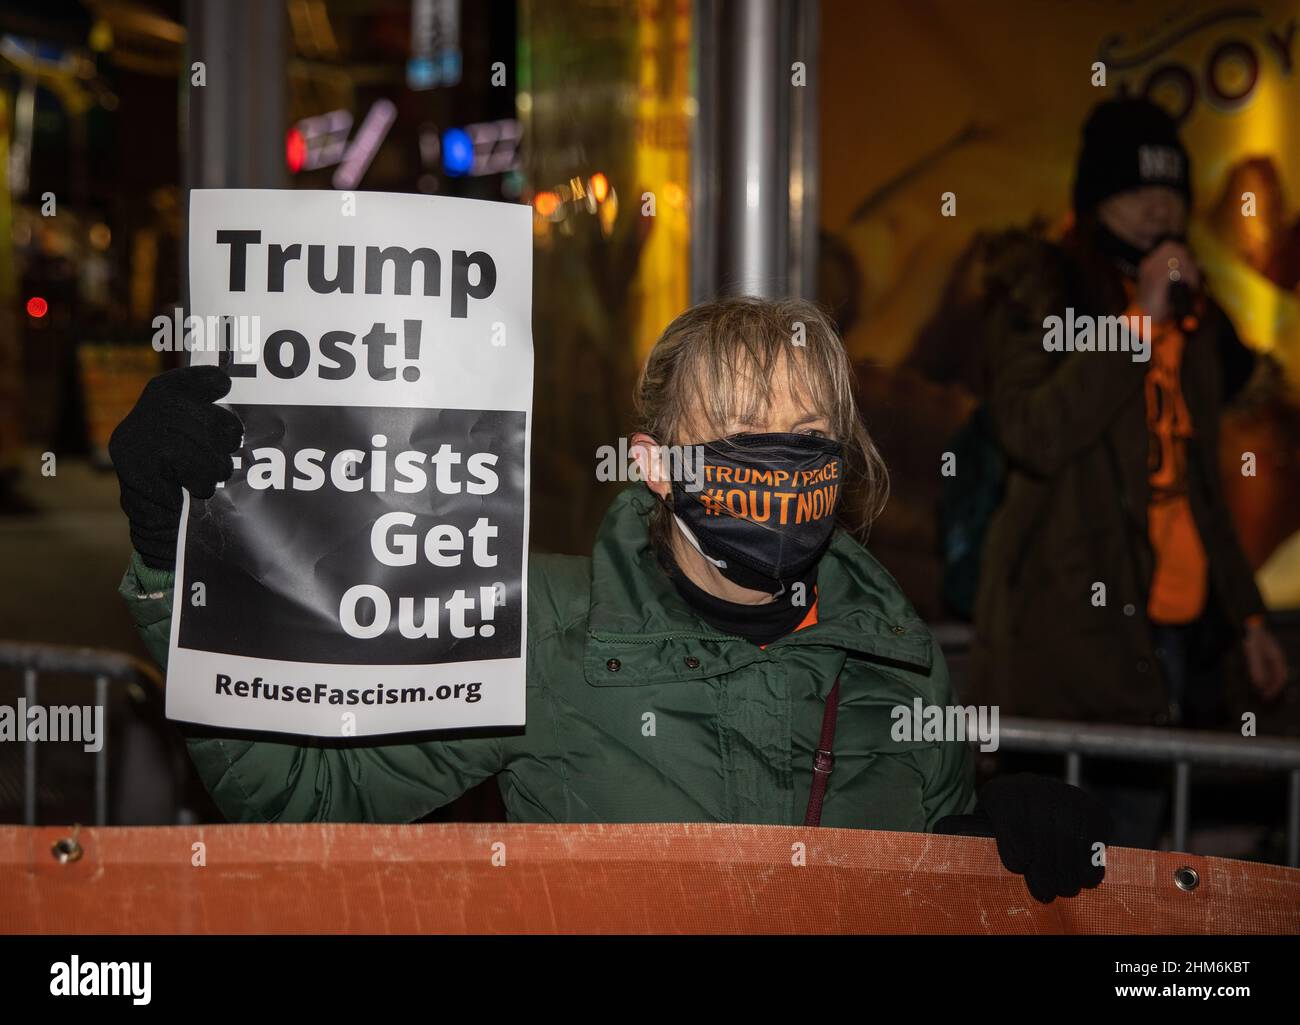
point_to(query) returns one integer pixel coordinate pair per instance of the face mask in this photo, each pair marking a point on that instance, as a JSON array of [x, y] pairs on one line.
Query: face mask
[[765, 509], [1125, 255]]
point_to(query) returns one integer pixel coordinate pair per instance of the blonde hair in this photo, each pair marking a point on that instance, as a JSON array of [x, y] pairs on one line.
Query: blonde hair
[[717, 364]]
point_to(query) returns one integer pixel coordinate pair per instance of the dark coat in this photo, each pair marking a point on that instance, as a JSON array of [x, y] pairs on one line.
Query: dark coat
[[1073, 428]]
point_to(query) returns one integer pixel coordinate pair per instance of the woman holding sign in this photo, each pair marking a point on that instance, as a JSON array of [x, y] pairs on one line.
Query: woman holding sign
[[729, 652]]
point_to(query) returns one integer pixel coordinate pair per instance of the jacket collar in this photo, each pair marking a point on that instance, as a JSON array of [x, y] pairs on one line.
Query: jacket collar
[[640, 631]]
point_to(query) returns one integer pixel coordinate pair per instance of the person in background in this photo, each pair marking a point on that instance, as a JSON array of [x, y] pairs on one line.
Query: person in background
[[1113, 582]]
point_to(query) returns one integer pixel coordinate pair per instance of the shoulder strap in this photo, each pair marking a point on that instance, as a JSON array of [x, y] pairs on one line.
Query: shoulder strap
[[823, 760]]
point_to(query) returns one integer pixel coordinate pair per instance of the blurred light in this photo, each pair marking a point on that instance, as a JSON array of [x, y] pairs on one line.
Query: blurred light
[[599, 186], [295, 150], [101, 36], [608, 214], [370, 136], [430, 144], [457, 151], [24, 51], [675, 195], [451, 67], [435, 44], [421, 73], [524, 102], [427, 183], [546, 203], [100, 236], [324, 139], [496, 145], [37, 307]]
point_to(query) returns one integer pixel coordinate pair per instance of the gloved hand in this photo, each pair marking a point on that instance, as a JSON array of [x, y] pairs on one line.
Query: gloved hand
[[1045, 830], [174, 437]]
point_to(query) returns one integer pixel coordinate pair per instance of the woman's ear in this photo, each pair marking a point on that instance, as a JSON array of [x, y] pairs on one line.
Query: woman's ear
[[647, 453]]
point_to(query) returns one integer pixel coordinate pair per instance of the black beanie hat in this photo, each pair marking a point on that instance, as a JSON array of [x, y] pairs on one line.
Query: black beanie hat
[[1128, 144]]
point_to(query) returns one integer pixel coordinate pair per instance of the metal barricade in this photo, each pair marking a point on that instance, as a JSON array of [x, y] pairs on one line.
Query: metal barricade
[[103, 666], [1182, 748]]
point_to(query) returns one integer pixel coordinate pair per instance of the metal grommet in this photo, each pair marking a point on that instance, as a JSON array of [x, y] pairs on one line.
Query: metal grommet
[[66, 849], [613, 665], [692, 662], [1129, 610], [900, 629], [1187, 878]]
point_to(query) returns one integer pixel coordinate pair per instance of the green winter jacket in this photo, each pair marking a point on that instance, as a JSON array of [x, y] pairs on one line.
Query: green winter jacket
[[639, 712]]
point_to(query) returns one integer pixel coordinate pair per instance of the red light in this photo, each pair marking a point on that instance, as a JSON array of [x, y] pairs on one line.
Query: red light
[[295, 150], [37, 307]]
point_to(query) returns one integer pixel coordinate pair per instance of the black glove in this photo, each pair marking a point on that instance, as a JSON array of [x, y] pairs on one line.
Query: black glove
[[174, 437], [1045, 831]]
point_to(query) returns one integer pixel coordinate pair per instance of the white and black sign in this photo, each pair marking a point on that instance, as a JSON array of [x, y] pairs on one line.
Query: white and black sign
[[363, 570]]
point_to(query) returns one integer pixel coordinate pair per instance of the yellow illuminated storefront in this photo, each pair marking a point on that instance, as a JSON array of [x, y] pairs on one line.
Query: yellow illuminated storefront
[[605, 104]]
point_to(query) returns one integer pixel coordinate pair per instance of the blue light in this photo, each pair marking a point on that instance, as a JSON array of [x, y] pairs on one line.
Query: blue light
[[449, 66], [457, 151], [421, 73]]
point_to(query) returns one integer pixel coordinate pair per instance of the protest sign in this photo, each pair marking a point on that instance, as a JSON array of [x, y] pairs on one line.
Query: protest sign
[[362, 572]]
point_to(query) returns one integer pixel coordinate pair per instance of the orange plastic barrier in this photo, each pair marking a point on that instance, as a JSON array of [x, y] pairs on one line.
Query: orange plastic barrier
[[486, 878]]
